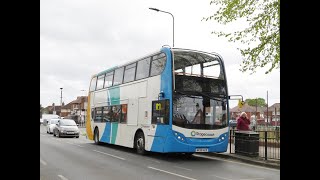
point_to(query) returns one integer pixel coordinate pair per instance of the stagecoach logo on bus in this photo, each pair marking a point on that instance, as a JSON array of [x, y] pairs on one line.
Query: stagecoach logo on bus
[[194, 133]]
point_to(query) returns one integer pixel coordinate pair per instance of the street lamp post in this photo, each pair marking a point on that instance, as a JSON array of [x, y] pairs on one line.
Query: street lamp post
[[61, 97], [155, 9], [61, 102]]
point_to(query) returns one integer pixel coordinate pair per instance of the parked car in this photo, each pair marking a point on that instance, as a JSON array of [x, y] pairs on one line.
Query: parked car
[[47, 117], [233, 123], [41, 121], [66, 127], [51, 125]]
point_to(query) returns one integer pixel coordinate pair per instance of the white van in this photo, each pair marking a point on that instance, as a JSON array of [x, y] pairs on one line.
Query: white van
[[47, 117]]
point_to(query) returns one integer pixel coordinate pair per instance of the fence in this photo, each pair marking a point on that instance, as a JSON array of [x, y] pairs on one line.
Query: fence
[[269, 142], [82, 124]]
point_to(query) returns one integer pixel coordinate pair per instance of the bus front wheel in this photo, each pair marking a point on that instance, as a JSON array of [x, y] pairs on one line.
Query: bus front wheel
[[140, 143]]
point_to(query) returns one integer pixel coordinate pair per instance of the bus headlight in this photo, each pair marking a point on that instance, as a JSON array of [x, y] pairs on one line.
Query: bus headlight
[[179, 136], [223, 137]]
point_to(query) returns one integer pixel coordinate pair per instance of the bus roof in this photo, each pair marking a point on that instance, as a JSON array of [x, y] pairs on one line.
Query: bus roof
[[163, 49], [129, 62]]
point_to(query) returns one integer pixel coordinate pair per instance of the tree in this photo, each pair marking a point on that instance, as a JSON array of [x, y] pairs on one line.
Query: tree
[[43, 110], [262, 36], [260, 102]]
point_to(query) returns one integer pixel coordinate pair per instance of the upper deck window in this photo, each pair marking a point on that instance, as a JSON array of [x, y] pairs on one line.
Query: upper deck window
[[157, 64]]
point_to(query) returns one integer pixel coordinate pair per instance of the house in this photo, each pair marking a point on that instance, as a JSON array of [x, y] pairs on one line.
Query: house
[[66, 110], [78, 108], [53, 109], [273, 115], [250, 110]]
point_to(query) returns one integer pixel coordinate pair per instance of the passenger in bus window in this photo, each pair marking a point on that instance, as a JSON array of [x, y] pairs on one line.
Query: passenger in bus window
[[199, 115]]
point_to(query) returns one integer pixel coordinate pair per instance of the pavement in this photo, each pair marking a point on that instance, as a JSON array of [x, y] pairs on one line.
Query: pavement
[[271, 163], [251, 160]]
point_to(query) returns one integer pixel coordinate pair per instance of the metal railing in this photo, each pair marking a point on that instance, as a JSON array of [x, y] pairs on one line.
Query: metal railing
[[269, 142]]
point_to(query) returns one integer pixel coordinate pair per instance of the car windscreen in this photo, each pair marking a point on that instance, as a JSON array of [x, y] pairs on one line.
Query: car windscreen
[[67, 123], [53, 121]]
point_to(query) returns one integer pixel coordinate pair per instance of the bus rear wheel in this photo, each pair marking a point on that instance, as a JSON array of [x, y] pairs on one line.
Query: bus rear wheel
[[140, 143], [96, 136]]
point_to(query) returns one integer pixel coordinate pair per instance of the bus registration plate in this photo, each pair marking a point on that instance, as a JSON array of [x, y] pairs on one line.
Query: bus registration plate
[[201, 149]]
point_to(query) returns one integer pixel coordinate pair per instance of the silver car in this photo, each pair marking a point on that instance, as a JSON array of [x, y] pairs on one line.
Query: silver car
[[51, 125], [66, 128]]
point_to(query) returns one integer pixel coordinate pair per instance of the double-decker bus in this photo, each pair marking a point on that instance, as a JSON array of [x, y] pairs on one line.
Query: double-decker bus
[[172, 100]]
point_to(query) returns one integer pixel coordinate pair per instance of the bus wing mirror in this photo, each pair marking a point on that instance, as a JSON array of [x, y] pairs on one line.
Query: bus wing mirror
[[161, 95]]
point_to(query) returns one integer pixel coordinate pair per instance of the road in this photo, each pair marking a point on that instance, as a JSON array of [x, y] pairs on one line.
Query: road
[[81, 159]]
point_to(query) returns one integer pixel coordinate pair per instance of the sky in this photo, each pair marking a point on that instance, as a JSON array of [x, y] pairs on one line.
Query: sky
[[79, 38]]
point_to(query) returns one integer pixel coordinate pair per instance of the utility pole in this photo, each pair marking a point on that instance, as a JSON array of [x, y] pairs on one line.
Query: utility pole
[[267, 111]]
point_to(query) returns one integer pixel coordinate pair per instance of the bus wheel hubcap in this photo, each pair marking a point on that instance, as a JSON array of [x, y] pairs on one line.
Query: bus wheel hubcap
[[140, 143]]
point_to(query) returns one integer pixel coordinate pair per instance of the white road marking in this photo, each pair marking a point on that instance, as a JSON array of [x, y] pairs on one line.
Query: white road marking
[[252, 179], [152, 160], [171, 173], [62, 177], [221, 177], [43, 162], [42, 135], [183, 168], [74, 144], [235, 162], [109, 155]]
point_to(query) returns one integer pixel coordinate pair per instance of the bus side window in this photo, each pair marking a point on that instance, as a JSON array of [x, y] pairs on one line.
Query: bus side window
[[118, 76], [116, 110], [124, 110], [93, 84], [98, 114], [160, 112], [157, 64], [92, 113]]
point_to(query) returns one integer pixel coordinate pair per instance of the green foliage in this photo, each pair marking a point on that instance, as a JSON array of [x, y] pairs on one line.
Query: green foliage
[[43, 110], [262, 36], [260, 102]]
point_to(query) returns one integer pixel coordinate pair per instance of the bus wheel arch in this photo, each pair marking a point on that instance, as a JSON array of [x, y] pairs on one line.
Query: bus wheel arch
[[139, 142]]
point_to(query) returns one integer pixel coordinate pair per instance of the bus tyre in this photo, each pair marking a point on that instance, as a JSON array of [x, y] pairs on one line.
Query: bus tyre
[[96, 136], [140, 143]]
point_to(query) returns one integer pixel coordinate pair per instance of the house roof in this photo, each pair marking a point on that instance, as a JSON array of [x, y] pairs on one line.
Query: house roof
[[68, 106], [247, 108], [275, 106], [80, 99], [57, 108]]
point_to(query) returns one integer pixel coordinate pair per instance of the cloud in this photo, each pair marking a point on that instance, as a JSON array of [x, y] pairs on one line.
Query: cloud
[[79, 38]]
